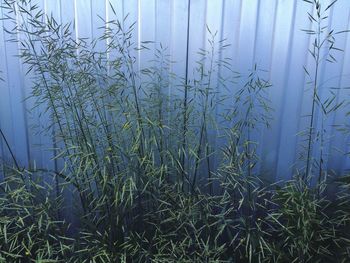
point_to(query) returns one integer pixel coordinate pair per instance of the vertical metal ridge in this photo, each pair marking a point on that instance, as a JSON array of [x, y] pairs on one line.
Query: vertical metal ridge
[[256, 33], [285, 79], [155, 20], [91, 21], [22, 159], [139, 34], [187, 42], [347, 40], [6, 69], [273, 38], [300, 101], [237, 44], [340, 79], [76, 18]]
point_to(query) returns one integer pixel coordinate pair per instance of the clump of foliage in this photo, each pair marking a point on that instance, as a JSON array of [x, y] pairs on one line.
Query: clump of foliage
[[141, 165], [30, 227], [322, 50]]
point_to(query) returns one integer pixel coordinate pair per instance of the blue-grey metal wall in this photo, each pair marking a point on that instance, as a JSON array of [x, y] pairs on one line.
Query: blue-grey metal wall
[[266, 32]]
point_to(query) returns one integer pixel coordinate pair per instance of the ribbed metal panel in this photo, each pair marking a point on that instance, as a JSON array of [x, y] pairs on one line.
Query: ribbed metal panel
[[266, 32]]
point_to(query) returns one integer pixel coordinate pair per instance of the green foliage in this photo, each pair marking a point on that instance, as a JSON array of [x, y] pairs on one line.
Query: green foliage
[[309, 226], [322, 50], [29, 224], [138, 163]]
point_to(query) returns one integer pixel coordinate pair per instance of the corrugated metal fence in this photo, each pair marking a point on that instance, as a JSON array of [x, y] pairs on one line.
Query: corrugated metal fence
[[266, 32]]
